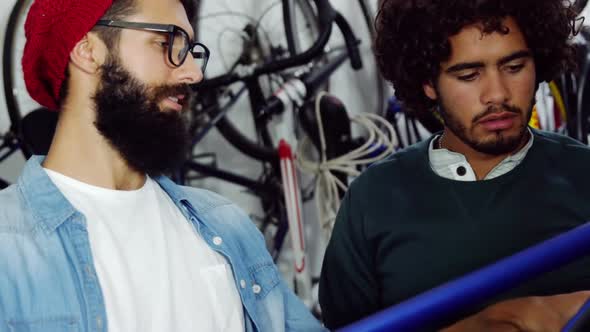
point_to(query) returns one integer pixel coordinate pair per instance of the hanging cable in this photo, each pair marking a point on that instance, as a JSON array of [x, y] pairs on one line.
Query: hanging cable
[[378, 145]]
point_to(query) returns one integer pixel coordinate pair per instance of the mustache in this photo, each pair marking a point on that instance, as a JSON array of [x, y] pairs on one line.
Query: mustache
[[496, 109], [164, 91]]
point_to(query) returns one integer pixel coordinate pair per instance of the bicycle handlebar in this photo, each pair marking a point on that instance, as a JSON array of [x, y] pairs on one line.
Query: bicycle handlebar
[[351, 41], [327, 16], [275, 105]]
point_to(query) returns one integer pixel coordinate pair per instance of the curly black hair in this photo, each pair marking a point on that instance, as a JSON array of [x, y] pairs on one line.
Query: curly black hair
[[413, 38]]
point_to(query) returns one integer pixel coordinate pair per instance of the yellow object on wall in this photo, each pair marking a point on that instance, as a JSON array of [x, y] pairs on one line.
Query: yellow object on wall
[[534, 122]]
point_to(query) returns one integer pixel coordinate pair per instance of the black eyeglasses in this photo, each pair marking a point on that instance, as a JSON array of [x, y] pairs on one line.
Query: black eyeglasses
[[179, 41]]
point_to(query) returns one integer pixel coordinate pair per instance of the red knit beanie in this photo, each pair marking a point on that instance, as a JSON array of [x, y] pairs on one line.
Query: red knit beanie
[[52, 29]]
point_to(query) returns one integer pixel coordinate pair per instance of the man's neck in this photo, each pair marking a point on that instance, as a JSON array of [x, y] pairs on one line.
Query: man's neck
[[79, 151], [480, 162]]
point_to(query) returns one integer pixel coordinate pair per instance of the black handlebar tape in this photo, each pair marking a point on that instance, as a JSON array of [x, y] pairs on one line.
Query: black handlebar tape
[[245, 144], [288, 24], [319, 76], [352, 43]]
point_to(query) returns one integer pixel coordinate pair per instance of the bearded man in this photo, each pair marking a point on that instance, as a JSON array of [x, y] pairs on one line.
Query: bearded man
[[93, 237]]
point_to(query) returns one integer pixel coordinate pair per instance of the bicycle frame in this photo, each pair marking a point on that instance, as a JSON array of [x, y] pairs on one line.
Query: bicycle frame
[[270, 189], [428, 310], [266, 152]]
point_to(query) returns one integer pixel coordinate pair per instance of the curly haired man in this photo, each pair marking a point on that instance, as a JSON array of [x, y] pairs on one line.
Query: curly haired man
[[485, 187], [94, 237]]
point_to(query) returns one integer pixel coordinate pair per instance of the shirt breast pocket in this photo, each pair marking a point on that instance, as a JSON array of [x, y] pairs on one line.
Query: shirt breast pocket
[[47, 324], [264, 279]]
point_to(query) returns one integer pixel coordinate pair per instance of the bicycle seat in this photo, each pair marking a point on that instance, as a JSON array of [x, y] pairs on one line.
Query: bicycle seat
[[37, 130], [336, 123]]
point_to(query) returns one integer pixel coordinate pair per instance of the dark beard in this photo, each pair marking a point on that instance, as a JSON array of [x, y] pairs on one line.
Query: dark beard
[[501, 144], [150, 140]]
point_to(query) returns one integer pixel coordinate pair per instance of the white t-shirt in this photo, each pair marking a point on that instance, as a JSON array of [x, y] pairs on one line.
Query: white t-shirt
[[156, 273]]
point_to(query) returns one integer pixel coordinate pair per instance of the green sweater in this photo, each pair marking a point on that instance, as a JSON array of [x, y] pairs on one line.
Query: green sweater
[[402, 229]]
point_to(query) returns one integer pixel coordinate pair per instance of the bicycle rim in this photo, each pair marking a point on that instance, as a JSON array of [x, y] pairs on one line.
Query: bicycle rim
[[18, 101]]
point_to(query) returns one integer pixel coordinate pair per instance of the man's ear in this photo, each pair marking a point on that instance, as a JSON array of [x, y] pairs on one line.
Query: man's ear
[[88, 54], [430, 91]]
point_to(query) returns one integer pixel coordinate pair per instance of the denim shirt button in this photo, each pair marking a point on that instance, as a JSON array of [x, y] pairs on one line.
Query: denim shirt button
[[99, 322], [243, 283], [88, 271], [256, 289], [217, 241]]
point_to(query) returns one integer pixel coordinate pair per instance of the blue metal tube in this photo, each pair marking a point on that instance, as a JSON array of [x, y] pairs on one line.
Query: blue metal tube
[[473, 289], [572, 324]]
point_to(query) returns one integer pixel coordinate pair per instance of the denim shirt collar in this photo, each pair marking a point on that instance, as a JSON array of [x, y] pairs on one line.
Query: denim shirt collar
[[49, 206]]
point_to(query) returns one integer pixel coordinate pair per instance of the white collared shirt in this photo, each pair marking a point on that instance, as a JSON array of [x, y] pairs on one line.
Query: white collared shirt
[[155, 270], [454, 166]]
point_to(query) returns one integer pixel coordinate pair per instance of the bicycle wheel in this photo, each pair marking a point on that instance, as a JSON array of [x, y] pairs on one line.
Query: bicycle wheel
[[580, 5], [249, 34], [227, 27], [252, 33], [18, 101]]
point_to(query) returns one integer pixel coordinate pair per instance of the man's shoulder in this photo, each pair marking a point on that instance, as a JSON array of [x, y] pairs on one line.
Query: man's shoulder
[[397, 166], [561, 147], [218, 211], [227, 220], [414, 152], [8, 195], [555, 139], [205, 200], [13, 212]]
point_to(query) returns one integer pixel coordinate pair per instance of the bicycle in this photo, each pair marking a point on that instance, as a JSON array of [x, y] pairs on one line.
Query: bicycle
[[268, 187]]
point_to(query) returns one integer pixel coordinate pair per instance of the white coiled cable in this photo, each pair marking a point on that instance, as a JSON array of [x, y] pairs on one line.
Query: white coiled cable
[[327, 184]]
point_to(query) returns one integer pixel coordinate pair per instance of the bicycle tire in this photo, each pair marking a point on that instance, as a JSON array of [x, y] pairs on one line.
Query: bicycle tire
[[231, 132], [14, 89], [290, 23], [580, 5], [379, 81]]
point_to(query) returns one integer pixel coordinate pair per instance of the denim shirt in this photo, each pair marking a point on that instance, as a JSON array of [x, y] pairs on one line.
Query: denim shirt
[[47, 277]]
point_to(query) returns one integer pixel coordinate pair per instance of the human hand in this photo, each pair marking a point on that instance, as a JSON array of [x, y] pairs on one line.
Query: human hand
[[526, 314]]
